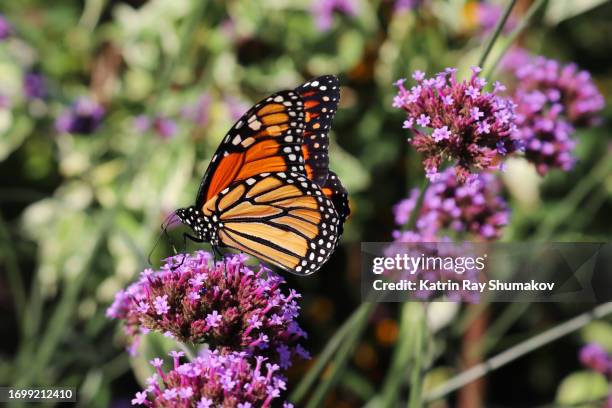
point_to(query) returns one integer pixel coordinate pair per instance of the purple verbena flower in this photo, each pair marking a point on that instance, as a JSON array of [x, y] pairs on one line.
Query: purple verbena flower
[[458, 122], [5, 101], [214, 379], [83, 117], [199, 112], [235, 106], [237, 307], [160, 304], [441, 134], [34, 86], [420, 245], [475, 207], [566, 85], [6, 29], [401, 5], [551, 100], [487, 16], [404, 208], [163, 126], [595, 357], [515, 58], [140, 398], [323, 11]]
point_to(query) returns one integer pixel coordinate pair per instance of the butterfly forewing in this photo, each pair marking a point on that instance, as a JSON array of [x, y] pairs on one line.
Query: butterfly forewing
[[281, 218], [320, 96], [268, 138]]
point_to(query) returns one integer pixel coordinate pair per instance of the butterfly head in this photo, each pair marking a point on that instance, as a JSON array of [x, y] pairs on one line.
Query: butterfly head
[[197, 221]]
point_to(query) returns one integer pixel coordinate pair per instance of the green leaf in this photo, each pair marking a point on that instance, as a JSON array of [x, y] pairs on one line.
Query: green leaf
[[13, 132], [151, 346], [558, 11], [358, 384], [437, 377], [582, 387], [598, 332], [349, 169]]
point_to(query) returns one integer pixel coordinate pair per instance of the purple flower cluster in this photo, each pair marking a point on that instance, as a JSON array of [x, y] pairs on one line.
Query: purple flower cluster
[[323, 11], [34, 86], [5, 101], [476, 208], [564, 85], [488, 14], [224, 304], [515, 58], [552, 99], [6, 29], [199, 113], [429, 246], [83, 117], [163, 126], [401, 5], [595, 357], [458, 122], [403, 210], [214, 379], [235, 106]]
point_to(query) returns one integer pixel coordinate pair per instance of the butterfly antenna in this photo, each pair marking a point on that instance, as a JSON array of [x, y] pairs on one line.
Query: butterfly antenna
[[164, 233], [159, 237], [183, 250]]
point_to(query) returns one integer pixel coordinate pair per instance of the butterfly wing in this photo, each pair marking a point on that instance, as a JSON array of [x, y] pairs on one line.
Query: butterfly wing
[[281, 218], [335, 191], [268, 138], [320, 96]]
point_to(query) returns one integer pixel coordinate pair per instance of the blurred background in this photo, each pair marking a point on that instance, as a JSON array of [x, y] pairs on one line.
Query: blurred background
[[110, 111]]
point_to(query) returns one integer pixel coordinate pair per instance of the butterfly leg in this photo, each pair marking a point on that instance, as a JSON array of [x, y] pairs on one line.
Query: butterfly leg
[[185, 237], [218, 253]]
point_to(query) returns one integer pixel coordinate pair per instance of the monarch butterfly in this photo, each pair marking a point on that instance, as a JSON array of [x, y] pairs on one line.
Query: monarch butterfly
[[268, 190]]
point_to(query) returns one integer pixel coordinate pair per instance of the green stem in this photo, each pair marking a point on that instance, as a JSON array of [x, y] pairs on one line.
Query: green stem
[[568, 206], [14, 274], [91, 13], [339, 362], [592, 206], [518, 351], [525, 21], [401, 356], [321, 362], [496, 33], [187, 350], [416, 371]]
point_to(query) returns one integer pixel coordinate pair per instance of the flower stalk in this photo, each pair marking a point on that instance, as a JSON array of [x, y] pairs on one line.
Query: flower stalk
[[519, 350]]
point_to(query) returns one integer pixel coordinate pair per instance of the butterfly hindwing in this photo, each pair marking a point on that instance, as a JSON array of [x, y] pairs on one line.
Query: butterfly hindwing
[[320, 96], [335, 191], [281, 218], [268, 138]]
